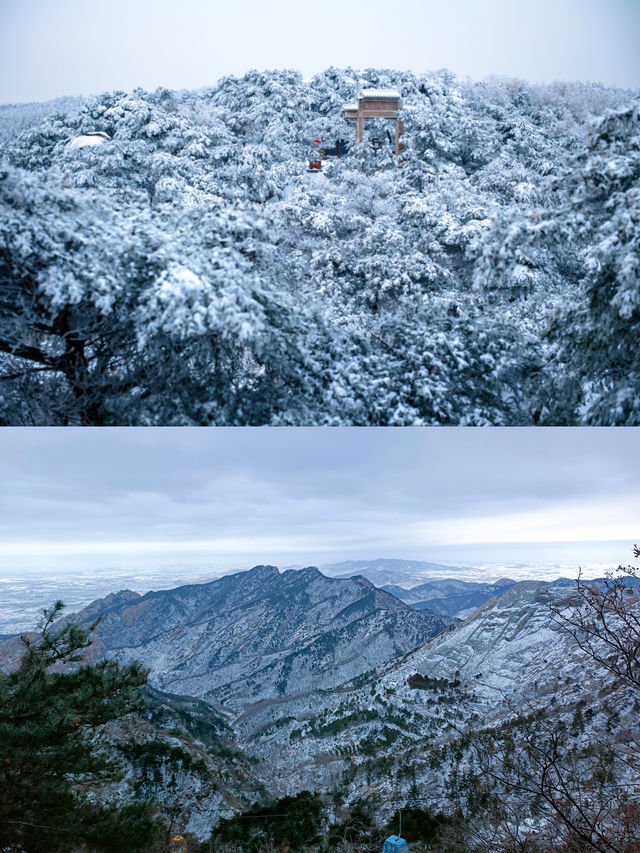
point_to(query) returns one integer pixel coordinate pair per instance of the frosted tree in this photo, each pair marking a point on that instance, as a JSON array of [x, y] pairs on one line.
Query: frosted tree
[[189, 270], [598, 335]]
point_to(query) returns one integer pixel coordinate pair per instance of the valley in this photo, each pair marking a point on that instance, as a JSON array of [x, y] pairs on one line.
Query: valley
[[273, 683]]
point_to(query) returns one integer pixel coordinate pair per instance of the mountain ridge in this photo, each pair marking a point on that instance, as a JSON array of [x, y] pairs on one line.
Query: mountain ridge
[[512, 653], [258, 635]]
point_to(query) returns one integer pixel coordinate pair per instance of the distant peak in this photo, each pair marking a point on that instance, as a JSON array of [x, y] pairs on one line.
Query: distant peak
[[113, 601], [363, 581], [121, 595], [308, 573], [264, 570]]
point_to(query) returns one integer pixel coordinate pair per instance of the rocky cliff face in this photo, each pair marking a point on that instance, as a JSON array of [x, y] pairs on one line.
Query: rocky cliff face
[[260, 635], [507, 646]]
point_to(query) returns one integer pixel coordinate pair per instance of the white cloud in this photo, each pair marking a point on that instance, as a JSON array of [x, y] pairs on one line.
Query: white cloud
[[308, 495]]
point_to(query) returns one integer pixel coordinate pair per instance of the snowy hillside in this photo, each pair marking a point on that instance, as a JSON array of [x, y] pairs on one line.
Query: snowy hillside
[[260, 635], [189, 270], [418, 721]]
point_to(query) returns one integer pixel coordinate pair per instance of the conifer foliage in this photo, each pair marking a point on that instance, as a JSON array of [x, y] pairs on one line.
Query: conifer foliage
[[49, 707], [293, 822]]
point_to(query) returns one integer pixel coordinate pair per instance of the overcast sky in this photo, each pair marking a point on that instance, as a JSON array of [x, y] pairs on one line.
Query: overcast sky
[[50, 48], [233, 498]]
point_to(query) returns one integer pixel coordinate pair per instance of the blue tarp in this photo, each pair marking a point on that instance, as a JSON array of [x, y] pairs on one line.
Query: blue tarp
[[393, 844]]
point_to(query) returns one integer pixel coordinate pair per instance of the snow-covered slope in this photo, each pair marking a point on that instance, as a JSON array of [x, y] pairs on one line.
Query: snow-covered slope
[[512, 653], [260, 635], [513, 645]]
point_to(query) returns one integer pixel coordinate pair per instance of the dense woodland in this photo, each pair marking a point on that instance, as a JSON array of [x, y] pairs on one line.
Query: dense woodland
[[191, 271]]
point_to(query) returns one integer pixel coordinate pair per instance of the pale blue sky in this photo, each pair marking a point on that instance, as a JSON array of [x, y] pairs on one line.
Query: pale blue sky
[[50, 48], [237, 497]]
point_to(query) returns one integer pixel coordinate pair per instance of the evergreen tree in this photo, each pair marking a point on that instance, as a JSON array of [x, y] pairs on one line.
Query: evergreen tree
[[291, 821], [598, 334], [50, 706]]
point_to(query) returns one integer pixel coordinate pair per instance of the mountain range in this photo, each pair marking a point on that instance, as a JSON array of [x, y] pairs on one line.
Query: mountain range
[[402, 726], [257, 635], [275, 682], [450, 597], [381, 571]]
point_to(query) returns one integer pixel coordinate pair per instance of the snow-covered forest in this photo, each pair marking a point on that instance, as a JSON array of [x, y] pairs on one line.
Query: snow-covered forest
[[189, 270]]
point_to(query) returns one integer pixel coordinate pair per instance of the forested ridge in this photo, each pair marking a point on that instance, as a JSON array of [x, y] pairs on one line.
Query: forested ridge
[[191, 271]]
